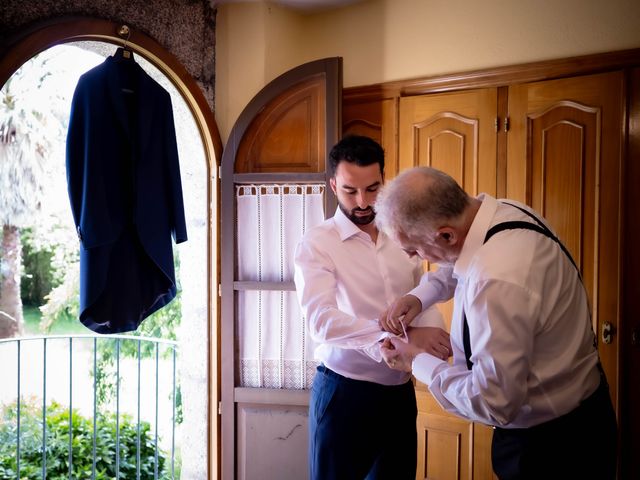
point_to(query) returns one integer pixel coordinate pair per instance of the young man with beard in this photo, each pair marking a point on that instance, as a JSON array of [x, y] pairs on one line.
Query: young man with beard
[[347, 274]]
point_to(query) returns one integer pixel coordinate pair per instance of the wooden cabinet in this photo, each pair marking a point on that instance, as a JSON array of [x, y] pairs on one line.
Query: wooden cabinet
[[555, 144], [378, 120], [565, 160], [453, 132]]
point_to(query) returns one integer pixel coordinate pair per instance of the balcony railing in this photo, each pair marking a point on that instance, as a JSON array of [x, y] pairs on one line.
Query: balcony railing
[[154, 344]]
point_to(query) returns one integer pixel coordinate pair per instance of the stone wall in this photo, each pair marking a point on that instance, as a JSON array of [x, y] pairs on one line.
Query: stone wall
[[186, 28]]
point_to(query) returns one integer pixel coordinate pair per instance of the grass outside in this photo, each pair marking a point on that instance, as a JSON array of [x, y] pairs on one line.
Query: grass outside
[[64, 326]]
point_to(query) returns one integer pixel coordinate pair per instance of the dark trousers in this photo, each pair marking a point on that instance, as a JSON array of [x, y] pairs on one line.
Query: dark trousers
[[580, 444], [361, 430]]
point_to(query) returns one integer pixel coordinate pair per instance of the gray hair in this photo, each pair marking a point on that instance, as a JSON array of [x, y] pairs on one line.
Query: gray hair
[[418, 200]]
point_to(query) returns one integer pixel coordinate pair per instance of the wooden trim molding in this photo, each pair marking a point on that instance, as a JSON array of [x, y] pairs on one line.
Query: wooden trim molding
[[496, 77]]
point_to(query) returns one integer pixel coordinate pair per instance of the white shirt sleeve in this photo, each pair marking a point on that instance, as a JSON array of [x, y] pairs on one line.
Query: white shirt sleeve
[[316, 286], [494, 391], [435, 287]]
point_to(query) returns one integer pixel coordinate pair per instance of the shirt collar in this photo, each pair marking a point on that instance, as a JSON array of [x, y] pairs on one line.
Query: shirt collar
[[476, 234], [346, 228]]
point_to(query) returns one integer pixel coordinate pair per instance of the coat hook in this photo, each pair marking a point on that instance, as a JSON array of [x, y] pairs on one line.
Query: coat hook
[[124, 32]]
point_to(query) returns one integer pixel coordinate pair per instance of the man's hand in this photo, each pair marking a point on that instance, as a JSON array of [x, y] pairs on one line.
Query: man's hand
[[404, 310], [433, 340], [398, 354]]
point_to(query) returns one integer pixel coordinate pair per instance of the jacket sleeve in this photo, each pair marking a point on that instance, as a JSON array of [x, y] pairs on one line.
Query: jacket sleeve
[[178, 223], [75, 150]]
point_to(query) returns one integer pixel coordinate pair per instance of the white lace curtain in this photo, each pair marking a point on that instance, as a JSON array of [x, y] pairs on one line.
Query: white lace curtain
[[274, 348]]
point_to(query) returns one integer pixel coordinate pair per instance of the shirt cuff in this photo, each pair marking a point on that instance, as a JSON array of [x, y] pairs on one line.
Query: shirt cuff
[[426, 293], [424, 365]]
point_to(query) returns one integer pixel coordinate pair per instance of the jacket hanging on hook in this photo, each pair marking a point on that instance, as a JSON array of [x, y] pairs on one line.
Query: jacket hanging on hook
[[125, 191]]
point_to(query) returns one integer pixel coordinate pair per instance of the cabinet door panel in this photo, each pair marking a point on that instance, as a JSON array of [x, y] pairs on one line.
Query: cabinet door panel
[[445, 443], [378, 120], [455, 133], [564, 159]]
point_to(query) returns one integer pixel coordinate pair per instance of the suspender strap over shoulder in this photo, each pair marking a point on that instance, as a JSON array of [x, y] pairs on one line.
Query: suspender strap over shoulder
[[539, 227]]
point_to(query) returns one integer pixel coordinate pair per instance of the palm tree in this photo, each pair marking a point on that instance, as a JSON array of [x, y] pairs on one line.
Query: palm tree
[[23, 150]]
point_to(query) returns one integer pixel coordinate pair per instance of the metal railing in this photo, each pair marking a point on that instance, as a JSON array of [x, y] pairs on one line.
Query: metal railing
[[172, 346]]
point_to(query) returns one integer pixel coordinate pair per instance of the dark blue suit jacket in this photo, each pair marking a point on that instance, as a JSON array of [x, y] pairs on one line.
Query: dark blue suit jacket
[[126, 196]]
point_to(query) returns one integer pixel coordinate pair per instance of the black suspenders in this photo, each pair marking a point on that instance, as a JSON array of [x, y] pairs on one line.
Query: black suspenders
[[537, 227]]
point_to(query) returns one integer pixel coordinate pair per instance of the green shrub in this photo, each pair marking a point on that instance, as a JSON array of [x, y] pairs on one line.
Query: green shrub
[[57, 445]]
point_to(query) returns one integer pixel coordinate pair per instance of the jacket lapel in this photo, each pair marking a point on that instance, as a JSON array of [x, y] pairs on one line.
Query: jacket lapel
[[114, 85], [139, 132], [145, 108]]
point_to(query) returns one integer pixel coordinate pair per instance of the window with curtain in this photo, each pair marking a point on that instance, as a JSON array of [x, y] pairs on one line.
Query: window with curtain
[[274, 347]]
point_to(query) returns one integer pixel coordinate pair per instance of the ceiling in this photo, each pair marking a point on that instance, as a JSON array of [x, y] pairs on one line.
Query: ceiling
[[305, 6]]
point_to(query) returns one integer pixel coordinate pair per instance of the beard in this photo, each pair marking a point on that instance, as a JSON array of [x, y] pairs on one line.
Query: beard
[[358, 219]]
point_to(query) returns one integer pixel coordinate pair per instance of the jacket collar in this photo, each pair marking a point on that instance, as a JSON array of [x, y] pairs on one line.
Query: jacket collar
[[138, 132]]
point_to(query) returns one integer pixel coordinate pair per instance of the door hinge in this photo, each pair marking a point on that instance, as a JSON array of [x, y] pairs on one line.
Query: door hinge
[[220, 290], [219, 171], [219, 408], [496, 124], [506, 124]]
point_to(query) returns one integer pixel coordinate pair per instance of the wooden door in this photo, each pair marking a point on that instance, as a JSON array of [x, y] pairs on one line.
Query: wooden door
[[276, 153], [455, 133], [564, 159], [376, 119]]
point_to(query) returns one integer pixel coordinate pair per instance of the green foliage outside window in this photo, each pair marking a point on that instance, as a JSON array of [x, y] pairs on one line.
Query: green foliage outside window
[[57, 445], [38, 274]]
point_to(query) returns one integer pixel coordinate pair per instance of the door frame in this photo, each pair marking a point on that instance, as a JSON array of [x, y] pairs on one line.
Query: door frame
[[44, 35], [231, 395]]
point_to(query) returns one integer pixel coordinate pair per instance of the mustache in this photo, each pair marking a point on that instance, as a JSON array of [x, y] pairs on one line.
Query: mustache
[[364, 210]]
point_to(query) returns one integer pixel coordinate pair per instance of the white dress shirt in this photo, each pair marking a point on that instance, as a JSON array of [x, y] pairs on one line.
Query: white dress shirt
[[529, 324], [344, 282]]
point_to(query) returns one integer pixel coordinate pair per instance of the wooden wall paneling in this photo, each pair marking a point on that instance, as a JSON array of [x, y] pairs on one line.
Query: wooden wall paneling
[[502, 125], [445, 442], [482, 466], [454, 132], [288, 135]]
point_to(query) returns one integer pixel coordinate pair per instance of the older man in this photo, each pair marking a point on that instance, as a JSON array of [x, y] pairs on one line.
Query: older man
[[524, 355]]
